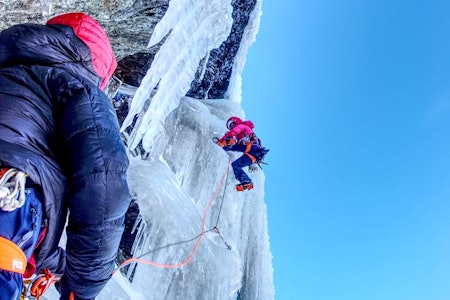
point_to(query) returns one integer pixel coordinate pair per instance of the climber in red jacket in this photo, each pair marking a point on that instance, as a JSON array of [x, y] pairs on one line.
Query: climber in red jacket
[[241, 138]]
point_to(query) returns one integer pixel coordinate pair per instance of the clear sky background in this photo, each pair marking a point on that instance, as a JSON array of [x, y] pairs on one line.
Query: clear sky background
[[353, 99]]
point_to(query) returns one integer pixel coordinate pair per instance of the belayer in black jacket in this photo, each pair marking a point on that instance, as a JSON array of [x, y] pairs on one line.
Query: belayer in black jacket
[[60, 154]]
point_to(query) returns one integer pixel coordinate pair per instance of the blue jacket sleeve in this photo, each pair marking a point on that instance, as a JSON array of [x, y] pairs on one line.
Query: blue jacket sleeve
[[98, 195]]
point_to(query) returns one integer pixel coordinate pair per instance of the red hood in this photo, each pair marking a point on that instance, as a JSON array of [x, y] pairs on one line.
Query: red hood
[[92, 34]]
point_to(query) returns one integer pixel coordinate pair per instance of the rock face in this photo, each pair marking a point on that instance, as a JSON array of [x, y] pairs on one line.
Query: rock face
[[214, 83], [129, 24]]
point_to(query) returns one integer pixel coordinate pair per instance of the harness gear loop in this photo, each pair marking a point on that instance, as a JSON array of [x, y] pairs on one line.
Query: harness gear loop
[[12, 258], [12, 189]]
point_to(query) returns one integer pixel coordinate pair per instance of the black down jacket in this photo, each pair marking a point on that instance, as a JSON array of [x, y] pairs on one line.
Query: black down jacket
[[57, 126]]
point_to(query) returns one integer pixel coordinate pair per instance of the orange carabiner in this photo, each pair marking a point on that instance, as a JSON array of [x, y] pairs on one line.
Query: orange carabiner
[[42, 282]]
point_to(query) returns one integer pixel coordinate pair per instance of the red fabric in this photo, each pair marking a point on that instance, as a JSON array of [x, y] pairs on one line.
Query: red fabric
[[93, 35], [31, 263], [31, 267]]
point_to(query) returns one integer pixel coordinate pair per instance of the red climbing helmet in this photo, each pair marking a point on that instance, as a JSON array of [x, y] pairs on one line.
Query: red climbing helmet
[[233, 121]]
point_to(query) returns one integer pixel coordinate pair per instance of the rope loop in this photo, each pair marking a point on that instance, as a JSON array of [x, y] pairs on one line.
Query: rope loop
[[12, 189]]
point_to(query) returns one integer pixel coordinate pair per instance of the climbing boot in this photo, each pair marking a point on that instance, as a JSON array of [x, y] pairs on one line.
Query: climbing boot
[[244, 186]]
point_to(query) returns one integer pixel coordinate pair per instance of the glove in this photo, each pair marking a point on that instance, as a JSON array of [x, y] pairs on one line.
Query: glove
[[222, 143], [253, 168], [226, 142]]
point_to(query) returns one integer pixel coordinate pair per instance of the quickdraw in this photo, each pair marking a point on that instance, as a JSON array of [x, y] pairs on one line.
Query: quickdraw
[[220, 235]]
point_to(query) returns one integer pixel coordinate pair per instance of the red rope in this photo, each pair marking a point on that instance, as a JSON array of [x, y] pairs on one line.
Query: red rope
[[197, 244]]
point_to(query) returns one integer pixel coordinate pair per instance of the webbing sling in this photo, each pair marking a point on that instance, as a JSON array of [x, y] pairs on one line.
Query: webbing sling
[[12, 258]]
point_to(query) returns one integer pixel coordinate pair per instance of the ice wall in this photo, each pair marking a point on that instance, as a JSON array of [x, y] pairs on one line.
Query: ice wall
[[193, 28], [173, 191]]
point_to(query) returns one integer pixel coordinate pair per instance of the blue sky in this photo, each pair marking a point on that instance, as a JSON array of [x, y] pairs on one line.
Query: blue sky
[[353, 99]]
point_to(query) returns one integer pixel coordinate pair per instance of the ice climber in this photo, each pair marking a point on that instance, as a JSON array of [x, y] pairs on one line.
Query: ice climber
[[241, 138], [60, 153]]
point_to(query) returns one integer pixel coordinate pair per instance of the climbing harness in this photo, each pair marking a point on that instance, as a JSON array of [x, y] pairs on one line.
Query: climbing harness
[[258, 157], [247, 150], [12, 189], [13, 259]]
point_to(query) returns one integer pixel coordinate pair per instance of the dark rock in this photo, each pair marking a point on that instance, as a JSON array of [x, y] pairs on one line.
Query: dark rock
[[129, 24]]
